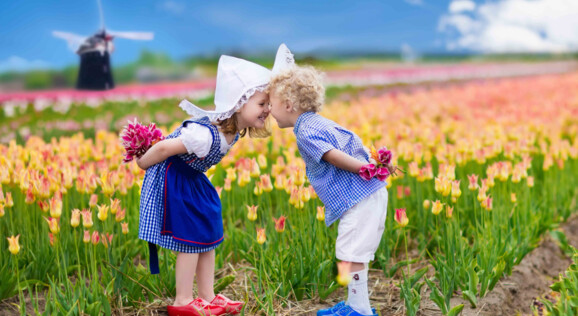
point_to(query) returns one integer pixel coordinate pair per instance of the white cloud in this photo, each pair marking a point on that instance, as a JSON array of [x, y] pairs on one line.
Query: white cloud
[[414, 2], [17, 63], [173, 7], [458, 6], [512, 26]]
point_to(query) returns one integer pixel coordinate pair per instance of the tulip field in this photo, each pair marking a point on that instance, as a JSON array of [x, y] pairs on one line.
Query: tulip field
[[490, 168]]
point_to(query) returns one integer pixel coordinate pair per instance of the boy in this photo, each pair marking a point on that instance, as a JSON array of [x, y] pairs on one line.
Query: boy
[[333, 157]]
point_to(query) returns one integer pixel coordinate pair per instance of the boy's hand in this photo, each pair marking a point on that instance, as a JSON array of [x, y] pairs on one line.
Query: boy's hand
[[393, 169]]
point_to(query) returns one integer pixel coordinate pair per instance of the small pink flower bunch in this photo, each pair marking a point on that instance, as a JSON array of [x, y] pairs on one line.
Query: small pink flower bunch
[[137, 139], [380, 165]]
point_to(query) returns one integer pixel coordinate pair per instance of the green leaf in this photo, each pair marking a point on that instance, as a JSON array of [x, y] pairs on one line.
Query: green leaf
[[471, 297], [456, 310], [562, 242], [417, 276], [324, 294], [473, 280], [94, 308], [222, 283], [556, 287], [399, 265], [436, 296], [497, 273]]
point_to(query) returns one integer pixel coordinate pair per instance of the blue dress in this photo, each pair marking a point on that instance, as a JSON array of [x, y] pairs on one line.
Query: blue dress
[[180, 209]]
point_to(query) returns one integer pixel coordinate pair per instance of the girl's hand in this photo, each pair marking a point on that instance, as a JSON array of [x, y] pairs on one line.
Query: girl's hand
[[138, 163]]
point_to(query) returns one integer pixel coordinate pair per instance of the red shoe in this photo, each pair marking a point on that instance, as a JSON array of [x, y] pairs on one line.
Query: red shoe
[[198, 307], [231, 307]]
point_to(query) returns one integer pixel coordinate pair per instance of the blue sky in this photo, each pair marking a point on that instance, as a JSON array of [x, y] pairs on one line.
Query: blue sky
[[184, 28]]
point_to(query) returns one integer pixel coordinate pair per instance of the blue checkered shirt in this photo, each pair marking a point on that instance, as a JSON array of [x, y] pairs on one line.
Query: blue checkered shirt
[[338, 189]]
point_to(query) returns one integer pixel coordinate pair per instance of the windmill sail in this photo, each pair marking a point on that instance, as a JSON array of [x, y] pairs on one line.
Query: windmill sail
[[142, 36], [74, 41]]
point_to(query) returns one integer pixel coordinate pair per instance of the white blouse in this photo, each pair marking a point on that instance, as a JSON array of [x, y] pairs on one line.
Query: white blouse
[[197, 139]]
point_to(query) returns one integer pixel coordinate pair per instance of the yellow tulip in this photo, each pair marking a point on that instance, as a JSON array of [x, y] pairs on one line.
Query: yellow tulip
[[75, 218], [262, 161], [124, 228], [266, 184], [87, 219], [9, 202], [114, 206], [321, 213], [456, 192], [227, 185], [343, 273], [530, 182], [473, 179], [449, 211], [231, 174], [252, 212], [280, 182], [261, 237], [86, 238], [53, 225], [426, 204], [102, 212], [93, 200], [255, 170], [437, 207], [119, 216], [13, 245]]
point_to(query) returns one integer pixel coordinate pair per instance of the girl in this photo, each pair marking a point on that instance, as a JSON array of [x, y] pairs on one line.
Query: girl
[[180, 209]]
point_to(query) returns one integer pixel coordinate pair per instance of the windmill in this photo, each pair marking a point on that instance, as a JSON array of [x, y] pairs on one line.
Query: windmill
[[94, 72]]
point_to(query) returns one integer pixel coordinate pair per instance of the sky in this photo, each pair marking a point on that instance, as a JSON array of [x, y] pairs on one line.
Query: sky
[[188, 27]]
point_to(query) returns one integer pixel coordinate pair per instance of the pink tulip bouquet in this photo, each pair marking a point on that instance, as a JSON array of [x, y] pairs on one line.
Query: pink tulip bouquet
[[380, 165], [137, 139]]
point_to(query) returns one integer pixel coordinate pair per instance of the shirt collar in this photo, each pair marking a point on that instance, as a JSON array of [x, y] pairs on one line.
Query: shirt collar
[[300, 119]]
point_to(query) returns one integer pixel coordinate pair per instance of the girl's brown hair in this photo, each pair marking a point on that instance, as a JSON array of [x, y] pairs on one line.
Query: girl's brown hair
[[230, 126]]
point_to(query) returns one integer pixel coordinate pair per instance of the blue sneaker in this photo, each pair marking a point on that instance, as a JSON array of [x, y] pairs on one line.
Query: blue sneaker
[[346, 310], [331, 310]]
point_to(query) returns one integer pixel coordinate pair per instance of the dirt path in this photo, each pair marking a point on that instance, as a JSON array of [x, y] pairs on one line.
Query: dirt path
[[515, 293]]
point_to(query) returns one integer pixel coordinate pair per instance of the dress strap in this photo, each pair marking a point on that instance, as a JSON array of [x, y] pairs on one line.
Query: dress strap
[[153, 258]]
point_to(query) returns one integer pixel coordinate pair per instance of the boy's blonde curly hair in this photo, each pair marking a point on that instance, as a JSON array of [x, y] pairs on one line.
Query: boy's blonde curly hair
[[301, 86]]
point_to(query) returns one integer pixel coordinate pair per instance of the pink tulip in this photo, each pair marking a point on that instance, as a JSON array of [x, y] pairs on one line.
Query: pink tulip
[[138, 138], [382, 173], [401, 217], [367, 171], [384, 155]]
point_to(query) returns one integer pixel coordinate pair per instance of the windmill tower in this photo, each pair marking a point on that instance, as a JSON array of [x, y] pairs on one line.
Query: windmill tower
[[95, 72]]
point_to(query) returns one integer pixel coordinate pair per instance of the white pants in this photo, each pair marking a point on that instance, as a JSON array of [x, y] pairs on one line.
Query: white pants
[[361, 227]]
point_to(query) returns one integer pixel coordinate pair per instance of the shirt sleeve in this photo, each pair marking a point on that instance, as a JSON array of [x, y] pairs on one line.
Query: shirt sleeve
[[197, 139], [316, 143]]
